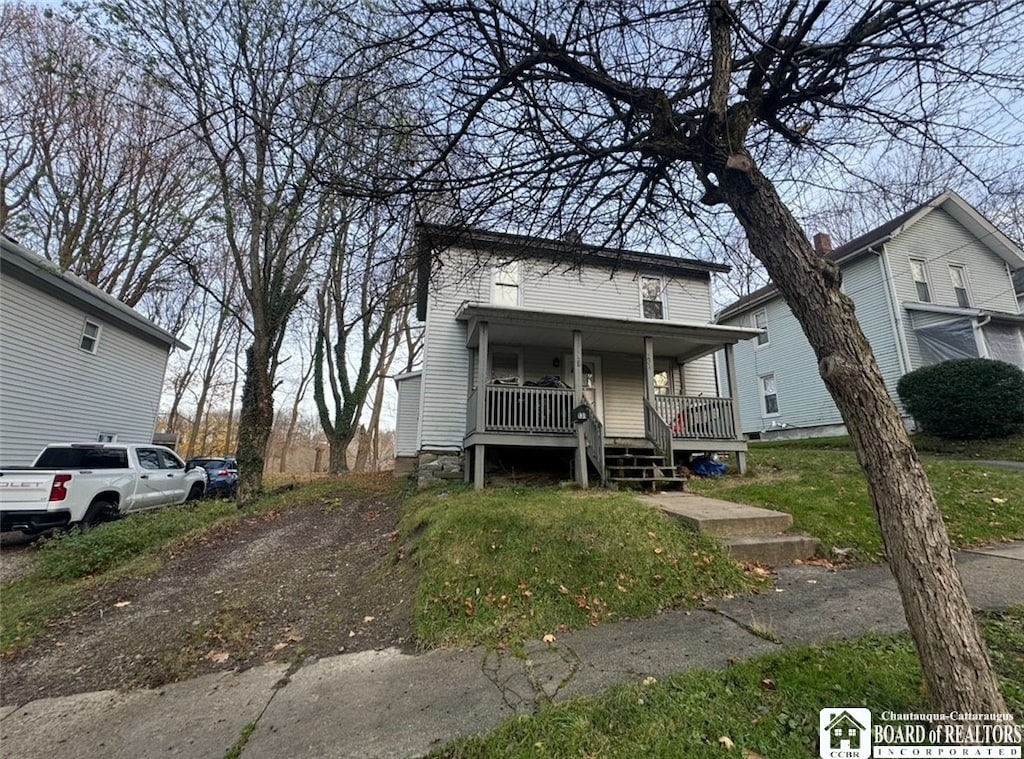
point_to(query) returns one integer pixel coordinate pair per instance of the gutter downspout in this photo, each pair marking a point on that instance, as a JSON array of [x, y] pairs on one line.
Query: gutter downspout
[[979, 337], [902, 349]]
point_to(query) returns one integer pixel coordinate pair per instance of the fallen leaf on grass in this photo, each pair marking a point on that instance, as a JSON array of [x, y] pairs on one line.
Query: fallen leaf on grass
[[218, 657], [998, 500], [726, 742], [368, 618], [549, 639], [752, 755], [121, 604], [563, 590], [768, 684], [279, 646]]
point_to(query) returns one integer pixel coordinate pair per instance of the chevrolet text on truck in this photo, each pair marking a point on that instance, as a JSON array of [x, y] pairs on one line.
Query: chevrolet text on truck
[[72, 483]]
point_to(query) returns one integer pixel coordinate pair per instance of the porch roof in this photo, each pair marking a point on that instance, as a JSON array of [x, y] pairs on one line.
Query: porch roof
[[509, 325]]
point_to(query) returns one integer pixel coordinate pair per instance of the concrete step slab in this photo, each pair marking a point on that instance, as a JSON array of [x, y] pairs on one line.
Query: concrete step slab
[[722, 519], [773, 550]]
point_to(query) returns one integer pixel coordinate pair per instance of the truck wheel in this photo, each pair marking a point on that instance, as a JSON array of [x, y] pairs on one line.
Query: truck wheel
[[98, 512], [195, 493]]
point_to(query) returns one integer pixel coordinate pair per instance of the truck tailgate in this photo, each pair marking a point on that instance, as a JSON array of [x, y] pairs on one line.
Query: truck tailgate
[[24, 489]]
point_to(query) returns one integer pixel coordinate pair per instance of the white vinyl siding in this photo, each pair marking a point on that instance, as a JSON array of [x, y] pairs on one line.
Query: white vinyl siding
[[804, 399], [465, 277], [51, 390], [602, 292], [941, 241], [408, 415]]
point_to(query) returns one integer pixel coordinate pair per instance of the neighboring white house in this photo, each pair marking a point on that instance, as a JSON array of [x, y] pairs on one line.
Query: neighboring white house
[[75, 363], [511, 322], [932, 284]]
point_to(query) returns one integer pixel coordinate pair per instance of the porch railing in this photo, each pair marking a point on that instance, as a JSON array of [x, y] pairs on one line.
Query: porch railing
[[697, 417], [593, 434], [510, 408], [657, 431]]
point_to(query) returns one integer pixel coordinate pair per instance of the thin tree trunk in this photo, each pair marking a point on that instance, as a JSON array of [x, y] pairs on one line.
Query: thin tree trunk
[[362, 449], [229, 444], [960, 675]]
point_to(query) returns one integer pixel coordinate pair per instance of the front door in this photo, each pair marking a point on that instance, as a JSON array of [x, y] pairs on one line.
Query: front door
[[592, 387]]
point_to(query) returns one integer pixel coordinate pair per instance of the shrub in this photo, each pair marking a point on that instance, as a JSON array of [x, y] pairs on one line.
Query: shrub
[[965, 398]]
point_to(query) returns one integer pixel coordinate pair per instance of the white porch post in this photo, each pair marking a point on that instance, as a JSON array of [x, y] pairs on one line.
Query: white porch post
[[481, 405], [649, 369], [577, 383], [734, 395]]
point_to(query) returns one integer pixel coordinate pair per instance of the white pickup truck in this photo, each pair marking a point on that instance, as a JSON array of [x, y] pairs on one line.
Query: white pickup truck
[[72, 483]]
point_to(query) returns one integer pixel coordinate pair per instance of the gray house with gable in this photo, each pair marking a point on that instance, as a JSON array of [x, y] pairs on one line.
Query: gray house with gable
[[935, 283], [75, 363]]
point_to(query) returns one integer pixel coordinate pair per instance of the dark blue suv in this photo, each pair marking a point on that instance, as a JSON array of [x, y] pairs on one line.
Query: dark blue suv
[[221, 475]]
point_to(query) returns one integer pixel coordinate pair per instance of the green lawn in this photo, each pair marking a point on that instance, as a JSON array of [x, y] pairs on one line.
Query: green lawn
[[504, 565], [1003, 449], [826, 493], [766, 708]]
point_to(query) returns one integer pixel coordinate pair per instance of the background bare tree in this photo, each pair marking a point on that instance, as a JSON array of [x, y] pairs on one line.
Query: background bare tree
[[637, 119], [96, 176], [268, 94], [361, 307]]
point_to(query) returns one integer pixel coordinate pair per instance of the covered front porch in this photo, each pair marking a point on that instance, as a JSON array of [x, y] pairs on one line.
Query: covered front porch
[[642, 382]]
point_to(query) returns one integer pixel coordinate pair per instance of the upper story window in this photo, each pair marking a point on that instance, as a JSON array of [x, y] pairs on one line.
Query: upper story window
[[761, 323], [920, 274], [958, 276], [652, 298], [506, 287], [90, 336]]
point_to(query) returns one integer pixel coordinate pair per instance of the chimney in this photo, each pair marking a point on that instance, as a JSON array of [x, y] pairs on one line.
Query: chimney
[[822, 244]]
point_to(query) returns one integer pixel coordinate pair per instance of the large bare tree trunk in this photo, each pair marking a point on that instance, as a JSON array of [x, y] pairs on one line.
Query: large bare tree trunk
[[959, 674], [255, 425]]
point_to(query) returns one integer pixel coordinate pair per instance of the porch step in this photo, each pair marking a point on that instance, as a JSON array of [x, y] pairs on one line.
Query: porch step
[[748, 533], [641, 468], [771, 549]]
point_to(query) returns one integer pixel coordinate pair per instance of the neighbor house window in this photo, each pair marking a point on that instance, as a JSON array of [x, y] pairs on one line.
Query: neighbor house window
[[90, 336], [106, 437], [761, 322], [958, 275], [920, 274], [769, 395], [652, 298], [506, 284]]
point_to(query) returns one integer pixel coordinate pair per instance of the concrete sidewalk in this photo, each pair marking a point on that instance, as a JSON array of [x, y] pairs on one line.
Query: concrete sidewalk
[[389, 704]]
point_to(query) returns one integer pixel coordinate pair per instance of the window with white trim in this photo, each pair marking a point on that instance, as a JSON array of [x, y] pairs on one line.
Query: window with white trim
[[761, 323], [507, 279], [90, 336], [919, 271], [652, 298], [769, 396], [958, 277]]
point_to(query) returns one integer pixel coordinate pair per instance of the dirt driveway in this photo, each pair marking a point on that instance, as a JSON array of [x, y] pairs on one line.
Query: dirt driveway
[[310, 581]]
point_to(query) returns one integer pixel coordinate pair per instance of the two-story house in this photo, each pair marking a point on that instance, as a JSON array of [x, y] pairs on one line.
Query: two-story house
[[604, 358], [75, 363], [933, 284]]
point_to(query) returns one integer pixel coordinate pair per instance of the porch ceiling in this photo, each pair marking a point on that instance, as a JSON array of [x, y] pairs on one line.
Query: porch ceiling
[[553, 329]]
